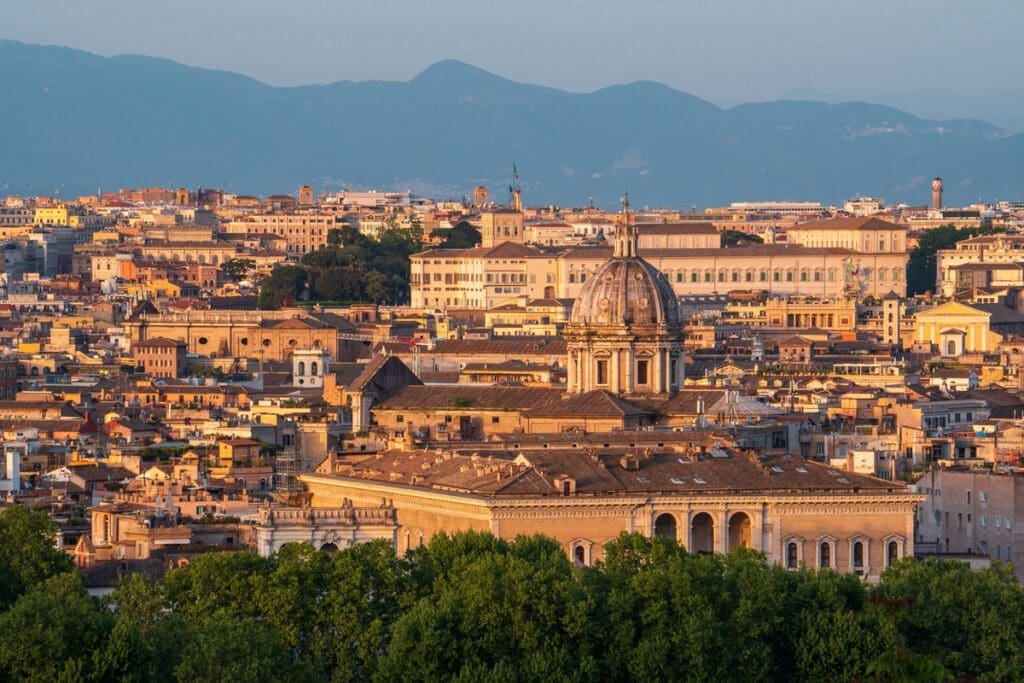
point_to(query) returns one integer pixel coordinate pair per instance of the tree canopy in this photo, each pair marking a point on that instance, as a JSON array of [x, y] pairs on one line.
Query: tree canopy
[[733, 238], [472, 607], [921, 266], [350, 268], [461, 236]]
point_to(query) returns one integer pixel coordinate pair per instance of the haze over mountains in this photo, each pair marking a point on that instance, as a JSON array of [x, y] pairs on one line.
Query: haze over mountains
[[76, 121]]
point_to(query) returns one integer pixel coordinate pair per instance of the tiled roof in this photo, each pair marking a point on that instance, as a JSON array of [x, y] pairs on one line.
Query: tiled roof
[[598, 403], [427, 397], [753, 250], [682, 228], [666, 470], [543, 346], [861, 223]]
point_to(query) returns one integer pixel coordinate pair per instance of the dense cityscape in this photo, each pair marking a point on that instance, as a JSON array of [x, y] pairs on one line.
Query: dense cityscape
[[194, 382], [526, 343]]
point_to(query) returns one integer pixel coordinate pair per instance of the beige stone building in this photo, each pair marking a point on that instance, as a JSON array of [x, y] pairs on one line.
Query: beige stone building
[[709, 499], [500, 225], [246, 334], [972, 511], [160, 357], [483, 278], [955, 328], [985, 262], [864, 235], [488, 277], [303, 231]]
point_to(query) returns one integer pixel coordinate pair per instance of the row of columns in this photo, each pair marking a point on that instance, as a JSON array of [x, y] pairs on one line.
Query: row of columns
[[622, 364]]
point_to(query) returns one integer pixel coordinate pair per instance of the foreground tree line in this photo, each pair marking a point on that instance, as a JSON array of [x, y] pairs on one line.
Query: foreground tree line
[[474, 607]]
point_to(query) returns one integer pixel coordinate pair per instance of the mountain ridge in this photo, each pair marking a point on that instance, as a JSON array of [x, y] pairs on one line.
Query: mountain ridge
[[77, 120]]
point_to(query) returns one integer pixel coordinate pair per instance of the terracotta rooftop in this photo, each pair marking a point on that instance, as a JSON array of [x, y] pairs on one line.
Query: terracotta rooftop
[[428, 397], [861, 223], [667, 470]]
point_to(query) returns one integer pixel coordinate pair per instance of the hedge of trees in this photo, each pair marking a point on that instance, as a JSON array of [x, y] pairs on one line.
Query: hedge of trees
[[473, 607]]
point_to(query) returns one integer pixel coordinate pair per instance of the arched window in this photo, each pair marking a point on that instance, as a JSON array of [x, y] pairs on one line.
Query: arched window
[[824, 554], [791, 555], [302, 367], [665, 527], [313, 368], [579, 555], [892, 553], [739, 531], [702, 534], [858, 555], [951, 348]]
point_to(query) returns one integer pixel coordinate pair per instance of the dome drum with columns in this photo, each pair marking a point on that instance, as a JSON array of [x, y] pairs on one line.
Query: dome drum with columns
[[625, 333]]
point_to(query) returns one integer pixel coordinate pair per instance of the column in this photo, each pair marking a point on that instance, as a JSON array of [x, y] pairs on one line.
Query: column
[[616, 363], [654, 373], [629, 386], [723, 539], [666, 371]]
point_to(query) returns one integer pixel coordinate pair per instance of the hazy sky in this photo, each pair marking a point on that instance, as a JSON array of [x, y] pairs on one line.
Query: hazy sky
[[725, 51]]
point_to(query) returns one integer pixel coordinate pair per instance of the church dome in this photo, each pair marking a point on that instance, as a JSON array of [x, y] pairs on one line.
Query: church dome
[[626, 291]]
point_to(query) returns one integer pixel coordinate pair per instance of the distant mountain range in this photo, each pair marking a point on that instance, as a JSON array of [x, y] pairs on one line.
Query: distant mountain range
[[77, 121]]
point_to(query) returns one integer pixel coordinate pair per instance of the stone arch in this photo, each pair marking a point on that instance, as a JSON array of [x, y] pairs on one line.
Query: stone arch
[[740, 531], [702, 533], [665, 526]]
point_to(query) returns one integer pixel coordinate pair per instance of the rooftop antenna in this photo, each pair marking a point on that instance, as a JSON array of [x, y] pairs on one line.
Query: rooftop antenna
[[515, 193]]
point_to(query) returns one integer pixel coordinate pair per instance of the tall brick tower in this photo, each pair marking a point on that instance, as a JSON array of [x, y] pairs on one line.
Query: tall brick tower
[[937, 194]]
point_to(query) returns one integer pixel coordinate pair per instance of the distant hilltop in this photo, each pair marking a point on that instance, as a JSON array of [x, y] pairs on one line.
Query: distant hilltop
[[74, 121]]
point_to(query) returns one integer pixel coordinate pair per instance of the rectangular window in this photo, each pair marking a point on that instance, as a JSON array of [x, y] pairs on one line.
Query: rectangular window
[[777, 276], [602, 372], [803, 276], [764, 276], [641, 371]]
